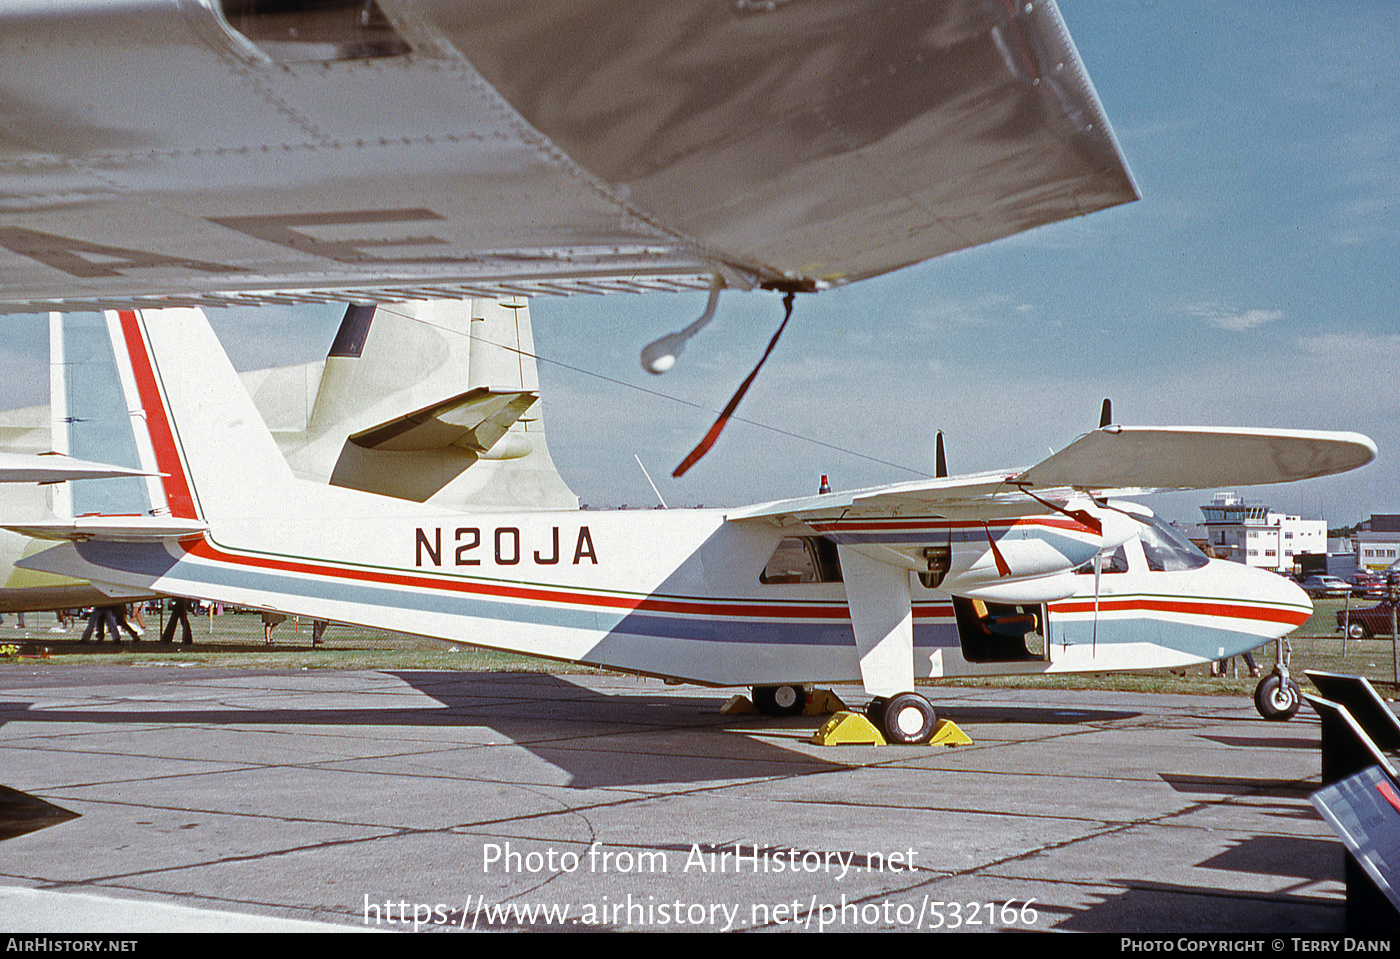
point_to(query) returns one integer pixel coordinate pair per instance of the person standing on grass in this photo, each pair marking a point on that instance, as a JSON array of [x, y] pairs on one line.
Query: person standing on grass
[[179, 614], [270, 622]]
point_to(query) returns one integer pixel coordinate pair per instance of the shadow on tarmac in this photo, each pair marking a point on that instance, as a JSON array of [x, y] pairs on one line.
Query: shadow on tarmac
[[22, 813], [598, 739]]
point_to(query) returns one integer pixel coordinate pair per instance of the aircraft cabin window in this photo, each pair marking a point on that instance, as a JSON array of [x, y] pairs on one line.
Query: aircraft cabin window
[[802, 559], [1167, 550], [308, 31]]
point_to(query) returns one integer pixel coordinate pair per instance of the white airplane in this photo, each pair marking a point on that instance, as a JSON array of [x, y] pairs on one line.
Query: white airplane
[[217, 152], [1008, 572], [432, 402]]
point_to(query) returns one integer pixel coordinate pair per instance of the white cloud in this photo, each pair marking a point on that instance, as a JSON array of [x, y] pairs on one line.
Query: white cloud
[[1236, 321]]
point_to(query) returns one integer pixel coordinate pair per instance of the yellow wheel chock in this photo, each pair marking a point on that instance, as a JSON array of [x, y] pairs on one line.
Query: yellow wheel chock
[[823, 703], [852, 729], [739, 705]]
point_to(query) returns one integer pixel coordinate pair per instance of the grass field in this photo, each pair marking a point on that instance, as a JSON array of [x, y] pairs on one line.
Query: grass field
[[236, 641]]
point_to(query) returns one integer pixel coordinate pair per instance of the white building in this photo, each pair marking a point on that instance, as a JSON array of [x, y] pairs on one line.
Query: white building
[[1257, 536], [1378, 541]]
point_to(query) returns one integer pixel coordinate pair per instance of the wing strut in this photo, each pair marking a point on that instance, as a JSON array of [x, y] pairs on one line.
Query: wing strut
[[713, 434]]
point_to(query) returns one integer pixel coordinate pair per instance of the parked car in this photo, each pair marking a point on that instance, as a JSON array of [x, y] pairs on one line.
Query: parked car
[[1318, 586], [1365, 622], [1367, 583]]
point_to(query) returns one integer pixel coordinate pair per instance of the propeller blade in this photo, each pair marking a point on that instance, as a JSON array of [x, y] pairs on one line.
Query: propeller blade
[[1098, 572], [1081, 516], [1003, 568], [713, 434]]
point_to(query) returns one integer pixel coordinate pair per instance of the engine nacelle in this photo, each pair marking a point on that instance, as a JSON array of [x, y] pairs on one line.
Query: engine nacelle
[[1017, 592]]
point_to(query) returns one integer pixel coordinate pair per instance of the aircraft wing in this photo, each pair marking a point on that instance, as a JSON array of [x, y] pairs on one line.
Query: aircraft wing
[[212, 152], [1113, 459], [118, 529], [1195, 457], [55, 468]]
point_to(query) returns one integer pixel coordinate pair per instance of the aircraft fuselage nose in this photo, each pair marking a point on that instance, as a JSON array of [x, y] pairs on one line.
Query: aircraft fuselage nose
[[1267, 588]]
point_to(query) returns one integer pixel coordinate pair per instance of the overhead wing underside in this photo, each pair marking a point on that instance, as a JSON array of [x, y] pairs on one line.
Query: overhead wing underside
[[228, 151], [1114, 459]]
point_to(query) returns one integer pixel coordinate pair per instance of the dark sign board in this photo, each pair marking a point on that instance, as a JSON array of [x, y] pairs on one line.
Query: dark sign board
[[1364, 810]]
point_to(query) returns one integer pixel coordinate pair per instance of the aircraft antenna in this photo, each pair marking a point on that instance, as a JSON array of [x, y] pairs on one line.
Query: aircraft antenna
[[940, 466], [1106, 414], [653, 485]]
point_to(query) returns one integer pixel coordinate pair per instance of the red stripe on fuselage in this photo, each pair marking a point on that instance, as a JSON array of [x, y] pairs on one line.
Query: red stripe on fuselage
[[520, 591], [1268, 614], [180, 499]]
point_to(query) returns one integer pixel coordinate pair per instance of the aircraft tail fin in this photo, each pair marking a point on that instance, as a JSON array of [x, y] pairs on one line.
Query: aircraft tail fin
[[187, 413]]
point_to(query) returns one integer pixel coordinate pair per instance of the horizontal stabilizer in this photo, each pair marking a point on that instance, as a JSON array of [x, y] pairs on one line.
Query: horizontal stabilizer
[[1197, 457], [120, 529], [474, 420], [55, 468]]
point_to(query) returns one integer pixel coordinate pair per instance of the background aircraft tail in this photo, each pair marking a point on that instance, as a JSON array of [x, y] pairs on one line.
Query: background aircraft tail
[[434, 402], [92, 419]]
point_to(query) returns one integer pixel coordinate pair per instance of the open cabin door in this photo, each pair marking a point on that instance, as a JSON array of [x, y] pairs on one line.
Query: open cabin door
[[1000, 633]]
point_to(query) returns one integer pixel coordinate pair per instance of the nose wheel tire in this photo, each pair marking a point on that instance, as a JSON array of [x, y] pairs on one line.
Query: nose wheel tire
[[907, 719], [1277, 698], [785, 700]]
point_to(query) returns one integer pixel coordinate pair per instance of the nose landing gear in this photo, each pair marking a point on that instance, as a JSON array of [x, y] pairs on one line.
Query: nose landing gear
[[1277, 697]]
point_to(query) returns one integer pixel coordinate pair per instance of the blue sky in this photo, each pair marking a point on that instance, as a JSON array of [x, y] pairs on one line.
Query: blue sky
[[1255, 284]]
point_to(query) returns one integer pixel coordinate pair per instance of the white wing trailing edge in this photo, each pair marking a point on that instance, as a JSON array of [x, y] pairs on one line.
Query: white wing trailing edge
[[56, 468], [116, 529], [388, 151], [981, 575], [1013, 535]]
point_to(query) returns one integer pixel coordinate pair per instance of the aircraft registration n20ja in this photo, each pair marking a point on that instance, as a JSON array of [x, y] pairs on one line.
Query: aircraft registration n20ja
[[1021, 571]]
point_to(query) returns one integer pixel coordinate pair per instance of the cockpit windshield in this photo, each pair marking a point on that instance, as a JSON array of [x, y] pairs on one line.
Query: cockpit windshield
[[1166, 549]]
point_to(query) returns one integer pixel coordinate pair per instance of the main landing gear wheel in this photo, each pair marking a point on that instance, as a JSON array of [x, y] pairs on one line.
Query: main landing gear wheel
[[908, 719], [785, 700], [1277, 698]]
